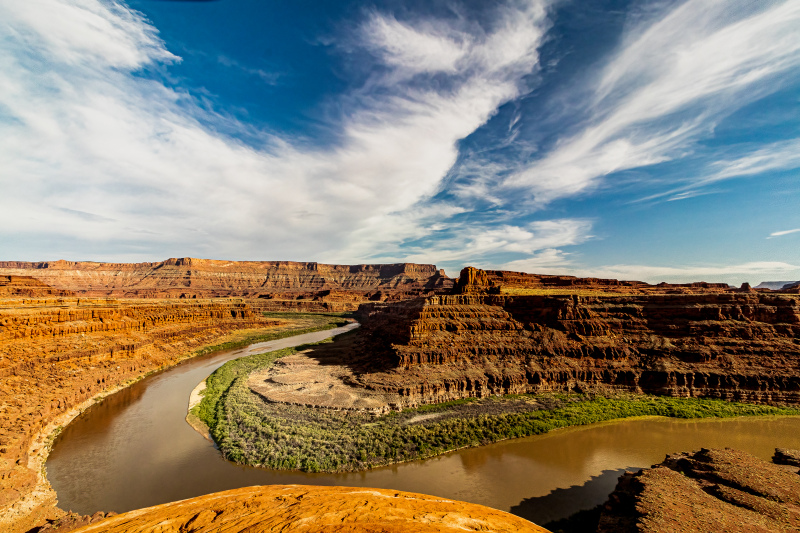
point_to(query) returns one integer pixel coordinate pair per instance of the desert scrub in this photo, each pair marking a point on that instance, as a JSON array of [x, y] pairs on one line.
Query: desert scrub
[[252, 431]]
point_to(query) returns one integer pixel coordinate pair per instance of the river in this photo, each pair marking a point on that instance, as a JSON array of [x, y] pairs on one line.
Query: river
[[134, 449]]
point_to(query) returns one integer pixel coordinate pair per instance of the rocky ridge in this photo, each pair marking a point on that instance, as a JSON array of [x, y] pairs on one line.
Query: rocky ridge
[[708, 490], [698, 342], [476, 281], [280, 281]]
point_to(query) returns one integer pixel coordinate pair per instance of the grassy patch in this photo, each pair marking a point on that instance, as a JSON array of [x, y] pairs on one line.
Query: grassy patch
[[220, 380], [252, 431]]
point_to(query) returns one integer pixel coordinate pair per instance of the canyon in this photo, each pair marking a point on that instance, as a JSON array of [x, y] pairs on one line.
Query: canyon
[[694, 340], [72, 332], [501, 333], [59, 353]]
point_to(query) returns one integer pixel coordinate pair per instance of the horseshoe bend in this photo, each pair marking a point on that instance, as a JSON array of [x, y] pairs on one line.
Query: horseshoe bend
[[399, 265], [437, 365]]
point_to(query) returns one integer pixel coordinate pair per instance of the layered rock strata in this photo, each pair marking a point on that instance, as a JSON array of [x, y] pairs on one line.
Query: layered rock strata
[[58, 353], [476, 281], [710, 490], [309, 509], [14, 286], [730, 345], [283, 281]]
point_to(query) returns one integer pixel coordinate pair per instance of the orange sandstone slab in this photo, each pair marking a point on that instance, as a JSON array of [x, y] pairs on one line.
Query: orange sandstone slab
[[301, 508]]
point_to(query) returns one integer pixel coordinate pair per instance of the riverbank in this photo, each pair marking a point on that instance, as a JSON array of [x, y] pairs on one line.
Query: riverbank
[[301, 338], [255, 432], [29, 500]]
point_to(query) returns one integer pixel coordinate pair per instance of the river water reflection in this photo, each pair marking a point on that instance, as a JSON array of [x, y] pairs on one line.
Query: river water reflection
[[134, 449]]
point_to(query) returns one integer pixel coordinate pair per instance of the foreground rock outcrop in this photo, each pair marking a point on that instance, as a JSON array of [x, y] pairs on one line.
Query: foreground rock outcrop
[[709, 490], [281, 281], [57, 353], [686, 342], [308, 509]]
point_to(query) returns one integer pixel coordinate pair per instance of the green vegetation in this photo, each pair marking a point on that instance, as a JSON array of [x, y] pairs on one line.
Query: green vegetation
[[252, 431]]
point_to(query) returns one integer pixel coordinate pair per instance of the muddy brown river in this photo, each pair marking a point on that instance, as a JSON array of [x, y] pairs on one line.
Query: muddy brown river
[[134, 449]]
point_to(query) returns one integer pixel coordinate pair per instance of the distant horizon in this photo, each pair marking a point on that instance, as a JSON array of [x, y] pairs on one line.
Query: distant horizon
[[626, 139], [448, 274]]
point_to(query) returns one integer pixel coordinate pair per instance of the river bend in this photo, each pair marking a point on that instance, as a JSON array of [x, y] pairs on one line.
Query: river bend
[[134, 449]]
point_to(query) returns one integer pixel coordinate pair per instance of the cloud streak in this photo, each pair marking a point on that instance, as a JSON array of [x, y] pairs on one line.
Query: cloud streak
[[673, 79], [774, 157], [90, 133], [753, 272], [782, 233]]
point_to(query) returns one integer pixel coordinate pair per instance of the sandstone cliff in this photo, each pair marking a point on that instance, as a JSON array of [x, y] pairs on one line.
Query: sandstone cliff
[[58, 352], [204, 278], [732, 345], [11, 286], [476, 281], [308, 509], [710, 490]]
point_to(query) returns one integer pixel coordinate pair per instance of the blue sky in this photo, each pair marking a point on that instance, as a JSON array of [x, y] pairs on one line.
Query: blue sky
[[650, 140]]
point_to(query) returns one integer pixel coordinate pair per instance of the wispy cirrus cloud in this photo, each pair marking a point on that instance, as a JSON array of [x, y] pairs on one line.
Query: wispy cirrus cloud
[[88, 132], [478, 243], [675, 76], [754, 272], [776, 156], [102, 156]]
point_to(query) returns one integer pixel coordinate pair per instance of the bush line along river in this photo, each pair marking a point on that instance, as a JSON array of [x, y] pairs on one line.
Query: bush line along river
[[134, 448], [252, 431]]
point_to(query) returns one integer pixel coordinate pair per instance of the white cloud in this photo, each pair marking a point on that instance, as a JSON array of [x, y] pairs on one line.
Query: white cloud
[[752, 272], [476, 244], [414, 50], [674, 77], [85, 133], [781, 233], [777, 156], [782, 155], [84, 33], [547, 261]]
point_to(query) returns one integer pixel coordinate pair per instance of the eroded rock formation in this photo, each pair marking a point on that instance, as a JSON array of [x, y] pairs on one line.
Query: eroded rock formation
[[710, 490], [725, 344], [56, 353], [476, 281], [276, 282], [309, 509], [11, 286]]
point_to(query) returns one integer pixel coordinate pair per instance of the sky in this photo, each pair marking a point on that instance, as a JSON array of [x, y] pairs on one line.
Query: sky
[[646, 140]]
